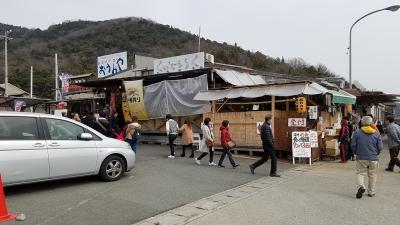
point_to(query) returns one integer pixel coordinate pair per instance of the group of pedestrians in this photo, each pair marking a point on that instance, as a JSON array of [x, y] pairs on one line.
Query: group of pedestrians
[[207, 143], [367, 145]]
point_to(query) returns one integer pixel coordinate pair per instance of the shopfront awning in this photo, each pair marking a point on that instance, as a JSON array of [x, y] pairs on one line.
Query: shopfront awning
[[280, 90], [240, 79], [342, 97]]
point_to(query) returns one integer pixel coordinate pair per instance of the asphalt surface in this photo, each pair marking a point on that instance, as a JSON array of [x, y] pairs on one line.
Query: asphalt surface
[[157, 184]]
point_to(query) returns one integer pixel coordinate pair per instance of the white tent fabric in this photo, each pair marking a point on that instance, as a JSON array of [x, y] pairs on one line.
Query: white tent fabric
[[240, 79], [281, 90]]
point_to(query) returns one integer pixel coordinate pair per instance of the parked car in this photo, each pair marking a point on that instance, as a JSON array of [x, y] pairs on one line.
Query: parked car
[[40, 147]]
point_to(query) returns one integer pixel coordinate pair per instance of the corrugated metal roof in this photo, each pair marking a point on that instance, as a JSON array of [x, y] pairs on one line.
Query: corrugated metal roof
[[13, 90], [240, 79]]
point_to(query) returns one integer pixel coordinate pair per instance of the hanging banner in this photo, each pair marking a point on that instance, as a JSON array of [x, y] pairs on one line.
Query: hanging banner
[[313, 112], [111, 64], [18, 105], [64, 77], [135, 99], [125, 107]]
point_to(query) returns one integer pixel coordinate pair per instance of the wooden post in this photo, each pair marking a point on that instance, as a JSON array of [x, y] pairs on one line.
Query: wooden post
[[273, 115], [287, 106]]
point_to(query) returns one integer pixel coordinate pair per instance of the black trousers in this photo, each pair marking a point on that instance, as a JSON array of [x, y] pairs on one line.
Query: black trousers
[[190, 146], [171, 139], [394, 160], [350, 154], [269, 152], [205, 153], [344, 151]]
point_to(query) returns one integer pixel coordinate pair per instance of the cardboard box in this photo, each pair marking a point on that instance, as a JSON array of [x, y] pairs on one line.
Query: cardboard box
[[332, 144], [332, 151]]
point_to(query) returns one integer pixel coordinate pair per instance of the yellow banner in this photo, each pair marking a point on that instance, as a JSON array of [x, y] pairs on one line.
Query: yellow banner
[[135, 100]]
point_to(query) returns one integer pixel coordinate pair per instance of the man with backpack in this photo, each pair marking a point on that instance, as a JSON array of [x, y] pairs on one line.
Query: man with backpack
[[172, 129]]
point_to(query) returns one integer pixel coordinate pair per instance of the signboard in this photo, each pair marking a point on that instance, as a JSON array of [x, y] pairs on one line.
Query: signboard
[[180, 63], [135, 100], [301, 146], [259, 125], [313, 112], [297, 122], [111, 64], [314, 139]]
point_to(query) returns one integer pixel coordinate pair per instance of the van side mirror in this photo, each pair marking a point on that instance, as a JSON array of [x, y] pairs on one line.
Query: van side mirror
[[86, 136]]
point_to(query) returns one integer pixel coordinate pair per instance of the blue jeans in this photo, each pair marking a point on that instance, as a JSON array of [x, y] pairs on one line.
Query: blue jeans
[[132, 143], [226, 151]]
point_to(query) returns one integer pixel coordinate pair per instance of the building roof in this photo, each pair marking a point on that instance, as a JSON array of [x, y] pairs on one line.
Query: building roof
[[240, 79], [13, 90]]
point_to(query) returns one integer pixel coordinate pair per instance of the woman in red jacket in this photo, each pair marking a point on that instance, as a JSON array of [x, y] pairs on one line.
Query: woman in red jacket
[[226, 142]]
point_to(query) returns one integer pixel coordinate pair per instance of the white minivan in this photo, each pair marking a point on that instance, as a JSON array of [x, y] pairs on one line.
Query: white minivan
[[40, 147]]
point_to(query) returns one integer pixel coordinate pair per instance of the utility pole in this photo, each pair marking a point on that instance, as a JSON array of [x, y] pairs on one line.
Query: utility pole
[[31, 93], [56, 78], [6, 38], [198, 50]]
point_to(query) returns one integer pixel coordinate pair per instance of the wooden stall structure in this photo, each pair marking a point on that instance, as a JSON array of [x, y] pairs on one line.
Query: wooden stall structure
[[246, 108]]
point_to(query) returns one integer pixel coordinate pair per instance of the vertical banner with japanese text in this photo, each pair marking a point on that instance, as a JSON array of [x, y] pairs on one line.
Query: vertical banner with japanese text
[[135, 99]]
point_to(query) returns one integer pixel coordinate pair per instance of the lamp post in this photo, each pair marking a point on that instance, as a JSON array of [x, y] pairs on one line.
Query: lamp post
[[392, 8], [5, 61]]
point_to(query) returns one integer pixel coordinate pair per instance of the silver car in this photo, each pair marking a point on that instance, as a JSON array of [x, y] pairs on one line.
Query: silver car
[[40, 147]]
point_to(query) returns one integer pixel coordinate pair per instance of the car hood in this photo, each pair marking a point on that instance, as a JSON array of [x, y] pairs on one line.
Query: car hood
[[112, 143]]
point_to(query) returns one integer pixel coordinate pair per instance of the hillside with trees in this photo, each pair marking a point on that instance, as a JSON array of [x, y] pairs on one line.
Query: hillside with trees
[[78, 43]]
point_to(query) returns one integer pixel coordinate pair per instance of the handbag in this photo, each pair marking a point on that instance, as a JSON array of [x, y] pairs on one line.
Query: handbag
[[231, 144], [209, 143]]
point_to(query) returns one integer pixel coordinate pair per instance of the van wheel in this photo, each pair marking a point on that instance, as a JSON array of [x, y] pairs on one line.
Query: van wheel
[[112, 168]]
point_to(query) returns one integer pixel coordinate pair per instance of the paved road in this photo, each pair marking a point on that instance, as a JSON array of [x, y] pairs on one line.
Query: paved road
[[157, 184]]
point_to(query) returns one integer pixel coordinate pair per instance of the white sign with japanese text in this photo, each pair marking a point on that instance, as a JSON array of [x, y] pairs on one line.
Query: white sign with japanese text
[[180, 63], [314, 139], [297, 122], [111, 64], [301, 145], [313, 112]]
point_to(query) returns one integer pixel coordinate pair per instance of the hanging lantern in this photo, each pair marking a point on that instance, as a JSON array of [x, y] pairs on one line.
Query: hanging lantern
[[301, 104]]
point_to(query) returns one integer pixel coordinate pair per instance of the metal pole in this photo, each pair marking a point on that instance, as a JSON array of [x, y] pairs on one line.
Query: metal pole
[[5, 65], [391, 8], [31, 93], [198, 50], [56, 77]]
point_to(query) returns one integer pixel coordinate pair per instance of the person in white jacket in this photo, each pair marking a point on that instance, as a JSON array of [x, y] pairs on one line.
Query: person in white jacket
[[206, 145], [172, 128]]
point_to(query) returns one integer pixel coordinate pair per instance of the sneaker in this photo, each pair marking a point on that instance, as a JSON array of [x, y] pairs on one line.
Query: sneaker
[[197, 161], [274, 175], [251, 169], [236, 165], [220, 165], [182, 155], [171, 157], [371, 195], [389, 170], [191, 156], [360, 192], [212, 164]]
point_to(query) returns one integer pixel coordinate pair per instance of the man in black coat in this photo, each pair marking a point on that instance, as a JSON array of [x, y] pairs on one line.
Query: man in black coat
[[268, 146]]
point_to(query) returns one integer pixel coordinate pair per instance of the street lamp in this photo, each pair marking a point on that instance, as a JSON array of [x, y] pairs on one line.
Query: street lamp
[[392, 8], [5, 61]]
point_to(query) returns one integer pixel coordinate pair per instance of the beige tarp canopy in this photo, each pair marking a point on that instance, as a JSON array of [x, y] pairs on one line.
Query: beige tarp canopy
[[280, 90], [240, 79]]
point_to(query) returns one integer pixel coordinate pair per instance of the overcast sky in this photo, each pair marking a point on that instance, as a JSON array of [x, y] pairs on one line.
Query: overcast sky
[[315, 30]]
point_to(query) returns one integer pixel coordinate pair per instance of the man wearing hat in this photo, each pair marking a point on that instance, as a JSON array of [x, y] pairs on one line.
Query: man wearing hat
[[367, 145]]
